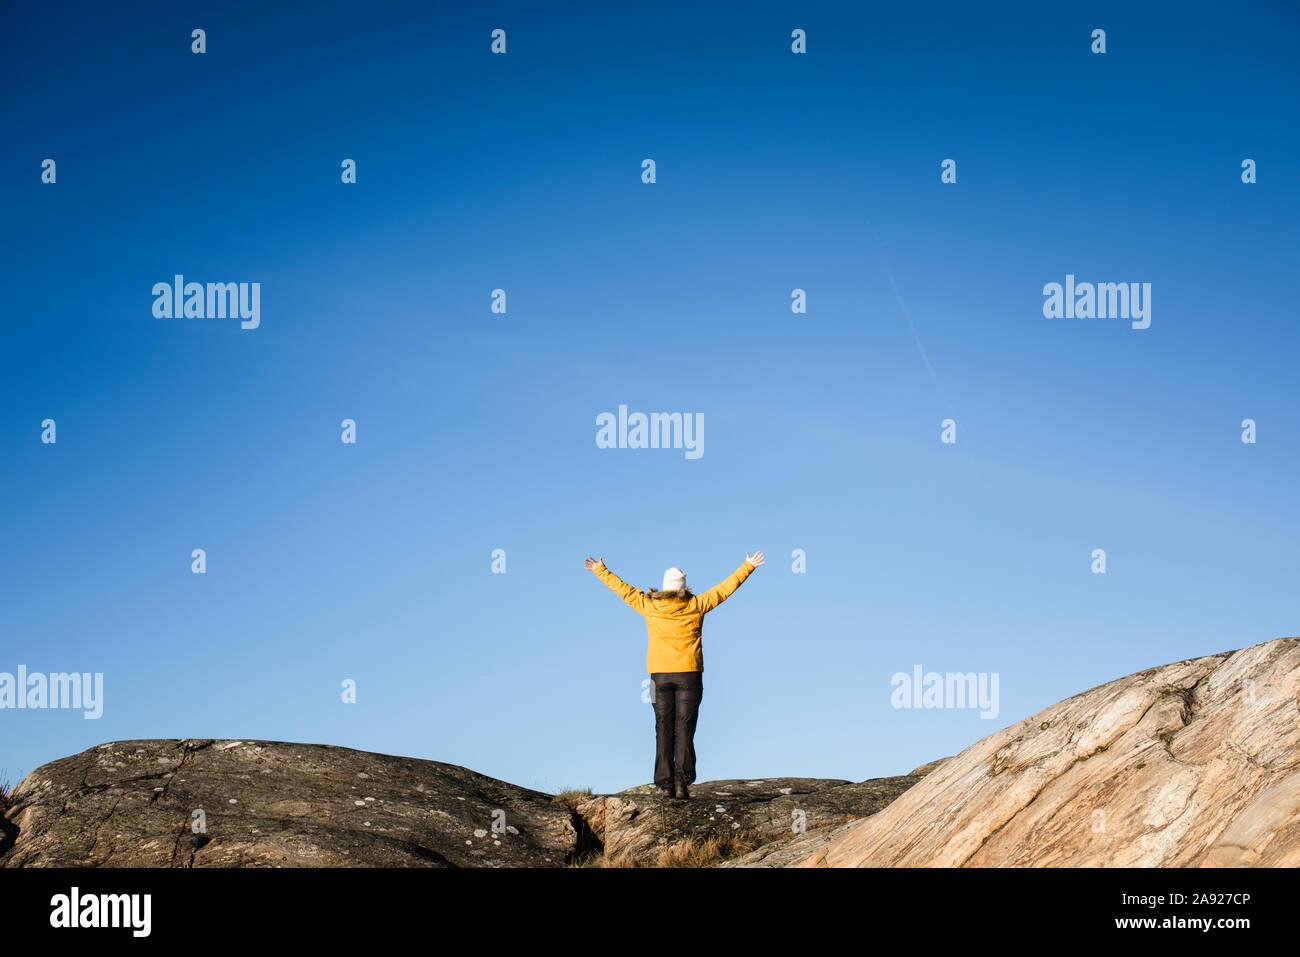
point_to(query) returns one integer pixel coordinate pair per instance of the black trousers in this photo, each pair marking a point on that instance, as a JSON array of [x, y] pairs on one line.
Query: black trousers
[[677, 697]]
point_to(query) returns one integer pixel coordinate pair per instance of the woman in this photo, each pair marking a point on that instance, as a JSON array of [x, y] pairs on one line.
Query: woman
[[675, 661]]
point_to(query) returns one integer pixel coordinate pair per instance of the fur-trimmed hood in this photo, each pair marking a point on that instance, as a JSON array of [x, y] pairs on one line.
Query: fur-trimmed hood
[[654, 593]]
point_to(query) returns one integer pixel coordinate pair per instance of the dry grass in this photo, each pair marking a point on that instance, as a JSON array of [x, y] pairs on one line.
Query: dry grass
[[693, 852], [6, 793], [573, 797], [707, 851]]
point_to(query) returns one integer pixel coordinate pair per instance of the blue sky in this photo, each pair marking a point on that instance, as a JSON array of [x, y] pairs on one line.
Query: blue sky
[[476, 431]]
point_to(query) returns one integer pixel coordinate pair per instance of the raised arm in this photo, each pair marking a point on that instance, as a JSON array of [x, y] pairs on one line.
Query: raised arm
[[633, 596], [720, 592]]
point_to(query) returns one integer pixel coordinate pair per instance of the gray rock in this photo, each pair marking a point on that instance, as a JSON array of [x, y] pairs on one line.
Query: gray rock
[[788, 851], [641, 826], [272, 804]]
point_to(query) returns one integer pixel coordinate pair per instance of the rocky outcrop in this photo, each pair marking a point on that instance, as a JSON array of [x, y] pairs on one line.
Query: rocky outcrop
[[642, 827], [204, 803], [789, 849], [1195, 763]]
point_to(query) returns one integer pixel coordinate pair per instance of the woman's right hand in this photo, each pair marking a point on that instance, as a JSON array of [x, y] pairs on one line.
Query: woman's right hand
[[591, 564]]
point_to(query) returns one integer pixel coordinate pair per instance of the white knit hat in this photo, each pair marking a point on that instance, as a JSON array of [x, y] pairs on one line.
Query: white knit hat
[[674, 580]]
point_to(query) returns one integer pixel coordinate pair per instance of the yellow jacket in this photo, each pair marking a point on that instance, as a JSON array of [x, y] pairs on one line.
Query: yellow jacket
[[673, 623]]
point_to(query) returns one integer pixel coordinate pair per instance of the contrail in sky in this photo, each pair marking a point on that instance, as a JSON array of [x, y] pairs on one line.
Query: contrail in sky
[[908, 316]]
